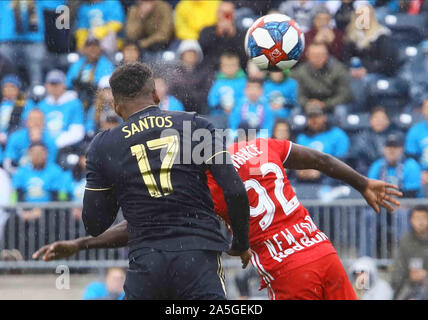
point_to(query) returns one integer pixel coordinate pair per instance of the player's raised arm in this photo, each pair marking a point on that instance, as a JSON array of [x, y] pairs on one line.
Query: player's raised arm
[[377, 193], [114, 237], [100, 205]]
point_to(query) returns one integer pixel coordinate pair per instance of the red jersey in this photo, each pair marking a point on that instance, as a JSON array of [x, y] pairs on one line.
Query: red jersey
[[282, 233]]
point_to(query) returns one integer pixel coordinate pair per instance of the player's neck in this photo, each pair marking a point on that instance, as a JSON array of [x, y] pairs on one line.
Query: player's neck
[[136, 107]]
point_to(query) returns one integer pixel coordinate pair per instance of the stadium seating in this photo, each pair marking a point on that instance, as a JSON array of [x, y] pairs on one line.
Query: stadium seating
[[393, 93]]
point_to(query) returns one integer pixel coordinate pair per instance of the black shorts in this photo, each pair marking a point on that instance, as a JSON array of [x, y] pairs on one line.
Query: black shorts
[[178, 275]]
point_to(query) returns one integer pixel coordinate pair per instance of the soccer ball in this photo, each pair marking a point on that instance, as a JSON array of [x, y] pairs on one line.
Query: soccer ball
[[274, 42]]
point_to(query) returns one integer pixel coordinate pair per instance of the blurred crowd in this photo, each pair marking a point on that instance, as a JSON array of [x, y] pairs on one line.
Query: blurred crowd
[[359, 92]]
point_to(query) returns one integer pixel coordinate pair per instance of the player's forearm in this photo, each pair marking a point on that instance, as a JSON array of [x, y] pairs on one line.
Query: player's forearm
[[339, 170], [306, 158], [114, 237]]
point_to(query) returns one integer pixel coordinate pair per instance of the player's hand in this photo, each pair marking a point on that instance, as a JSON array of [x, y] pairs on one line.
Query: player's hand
[[245, 256], [57, 250], [379, 193]]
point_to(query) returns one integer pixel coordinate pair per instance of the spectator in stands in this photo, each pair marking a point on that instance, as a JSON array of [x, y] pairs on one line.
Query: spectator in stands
[[414, 71], [367, 145], [6, 66], [63, 111], [300, 10], [16, 153], [22, 34], [131, 52], [75, 181], [13, 103], [167, 101], [188, 74], [324, 80], [38, 181], [109, 119], [150, 23], [344, 12], [192, 16], [281, 130], [366, 281], [322, 30], [110, 289], [254, 72], [409, 277], [281, 90], [322, 136], [102, 20], [103, 102], [253, 111], [394, 168], [84, 74], [413, 7], [416, 144], [227, 89], [372, 44], [260, 8], [222, 37]]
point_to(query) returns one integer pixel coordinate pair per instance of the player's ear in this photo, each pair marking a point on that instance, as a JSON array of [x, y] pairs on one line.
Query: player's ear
[[155, 96]]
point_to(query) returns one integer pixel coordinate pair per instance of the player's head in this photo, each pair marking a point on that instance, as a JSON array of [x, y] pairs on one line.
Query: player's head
[[419, 220], [229, 63], [133, 88], [379, 120], [254, 89]]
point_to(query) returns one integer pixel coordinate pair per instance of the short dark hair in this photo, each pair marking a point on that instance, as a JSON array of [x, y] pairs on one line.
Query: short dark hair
[[378, 108], [129, 43], [38, 144], [255, 80], [131, 80], [230, 54], [318, 44]]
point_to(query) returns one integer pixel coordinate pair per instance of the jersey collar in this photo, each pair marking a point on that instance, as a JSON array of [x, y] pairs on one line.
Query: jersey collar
[[146, 109]]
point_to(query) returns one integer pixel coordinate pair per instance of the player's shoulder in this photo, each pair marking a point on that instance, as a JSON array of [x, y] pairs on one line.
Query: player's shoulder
[[100, 142]]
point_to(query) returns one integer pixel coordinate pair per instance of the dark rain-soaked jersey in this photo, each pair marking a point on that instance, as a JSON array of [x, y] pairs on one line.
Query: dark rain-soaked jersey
[[159, 180]]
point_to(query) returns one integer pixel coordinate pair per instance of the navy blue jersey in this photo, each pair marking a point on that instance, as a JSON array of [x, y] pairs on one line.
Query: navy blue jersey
[[158, 175]]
